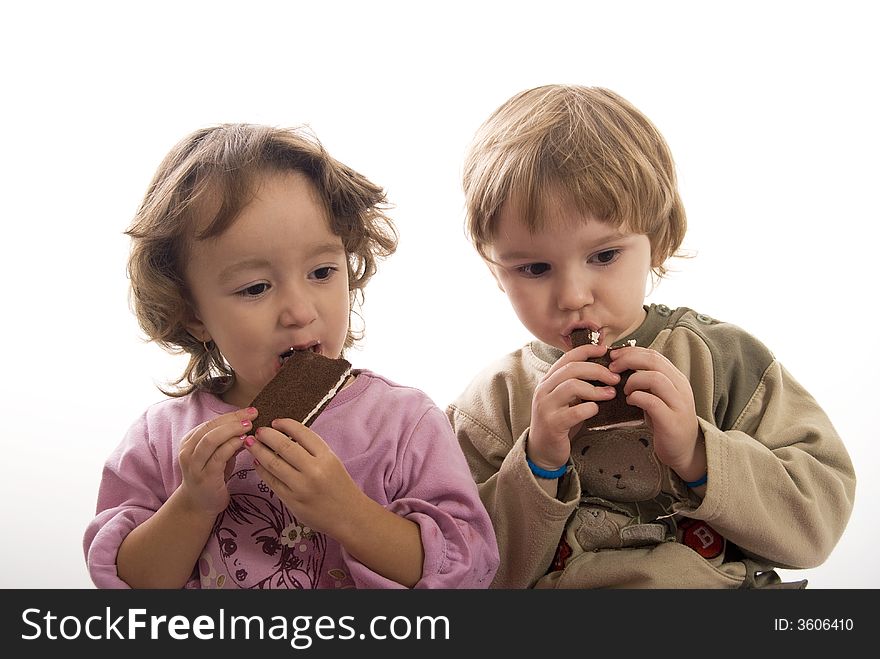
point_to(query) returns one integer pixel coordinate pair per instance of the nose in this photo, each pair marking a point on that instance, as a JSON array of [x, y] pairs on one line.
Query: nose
[[574, 291], [297, 309]]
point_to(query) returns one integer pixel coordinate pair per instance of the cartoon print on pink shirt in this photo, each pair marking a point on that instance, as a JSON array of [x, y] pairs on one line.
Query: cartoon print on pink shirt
[[253, 527]]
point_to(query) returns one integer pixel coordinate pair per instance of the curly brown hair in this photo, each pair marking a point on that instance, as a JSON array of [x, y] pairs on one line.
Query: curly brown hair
[[587, 143], [223, 164]]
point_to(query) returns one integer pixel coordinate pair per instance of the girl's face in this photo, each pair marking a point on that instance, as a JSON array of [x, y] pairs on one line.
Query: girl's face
[[577, 272], [276, 279]]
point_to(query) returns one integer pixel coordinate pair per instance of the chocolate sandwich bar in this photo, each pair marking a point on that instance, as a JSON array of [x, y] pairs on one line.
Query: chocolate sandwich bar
[[614, 411], [303, 387]]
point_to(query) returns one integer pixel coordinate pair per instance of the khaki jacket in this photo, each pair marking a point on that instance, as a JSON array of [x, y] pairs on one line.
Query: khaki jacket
[[780, 481]]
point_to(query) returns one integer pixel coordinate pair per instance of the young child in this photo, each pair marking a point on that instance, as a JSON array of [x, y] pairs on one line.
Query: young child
[[730, 470], [250, 241]]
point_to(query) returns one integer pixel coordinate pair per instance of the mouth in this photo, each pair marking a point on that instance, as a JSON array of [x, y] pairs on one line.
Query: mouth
[[287, 354]]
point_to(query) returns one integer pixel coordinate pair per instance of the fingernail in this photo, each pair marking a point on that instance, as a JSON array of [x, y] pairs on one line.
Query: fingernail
[[251, 410], [246, 423], [249, 441]]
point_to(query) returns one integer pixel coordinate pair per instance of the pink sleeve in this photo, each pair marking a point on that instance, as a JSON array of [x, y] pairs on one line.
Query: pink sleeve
[[437, 492], [131, 490]]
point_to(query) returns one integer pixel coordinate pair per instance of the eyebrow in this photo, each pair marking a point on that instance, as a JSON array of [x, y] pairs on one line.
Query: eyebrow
[[513, 256], [229, 272], [319, 249], [517, 255], [326, 248]]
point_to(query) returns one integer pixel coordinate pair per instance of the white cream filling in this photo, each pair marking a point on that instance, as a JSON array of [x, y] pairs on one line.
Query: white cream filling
[[327, 397], [620, 424]]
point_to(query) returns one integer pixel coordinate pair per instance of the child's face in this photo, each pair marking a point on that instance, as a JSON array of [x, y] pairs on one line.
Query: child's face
[[575, 273], [276, 279]]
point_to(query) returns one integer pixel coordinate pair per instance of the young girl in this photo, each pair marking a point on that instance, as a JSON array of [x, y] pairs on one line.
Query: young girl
[[250, 241]]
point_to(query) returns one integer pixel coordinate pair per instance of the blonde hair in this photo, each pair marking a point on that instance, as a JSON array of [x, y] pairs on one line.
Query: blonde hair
[[217, 168], [587, 143]]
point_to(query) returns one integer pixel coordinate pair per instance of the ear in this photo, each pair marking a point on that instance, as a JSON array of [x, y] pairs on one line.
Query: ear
[[196, 327]]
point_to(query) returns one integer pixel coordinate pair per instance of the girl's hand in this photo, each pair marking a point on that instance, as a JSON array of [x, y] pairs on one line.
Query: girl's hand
[[207, 457], [665, 395], [563, 400], [307, 476]]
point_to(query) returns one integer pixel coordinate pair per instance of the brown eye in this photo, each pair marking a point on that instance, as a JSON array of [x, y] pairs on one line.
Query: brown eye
[[255, 290], [535, 269], [323, 273], [605, 257]]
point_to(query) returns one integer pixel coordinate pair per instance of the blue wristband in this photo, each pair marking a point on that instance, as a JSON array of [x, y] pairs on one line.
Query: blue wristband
[[546, 473], [698, 482]]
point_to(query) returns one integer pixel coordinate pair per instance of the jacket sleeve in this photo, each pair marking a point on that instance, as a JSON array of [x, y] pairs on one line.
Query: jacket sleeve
[[434, 489], [528, 522], [781, 483]]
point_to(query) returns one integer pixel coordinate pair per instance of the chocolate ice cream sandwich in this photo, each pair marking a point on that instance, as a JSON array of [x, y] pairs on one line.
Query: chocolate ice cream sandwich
[[614, 411], [304, 386]]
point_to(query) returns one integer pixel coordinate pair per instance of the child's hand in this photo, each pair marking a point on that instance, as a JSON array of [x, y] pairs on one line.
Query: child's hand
[[207, 456], [563, 400], [665, 394], [306, 475]]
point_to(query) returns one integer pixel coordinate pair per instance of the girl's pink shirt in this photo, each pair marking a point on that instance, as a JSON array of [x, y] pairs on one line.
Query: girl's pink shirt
[[396, 444]]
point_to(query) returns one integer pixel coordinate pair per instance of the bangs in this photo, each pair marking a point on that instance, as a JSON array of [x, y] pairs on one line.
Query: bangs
[[585, 146]]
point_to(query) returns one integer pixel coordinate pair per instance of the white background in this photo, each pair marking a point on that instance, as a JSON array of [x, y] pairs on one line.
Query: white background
[[770, 109]]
